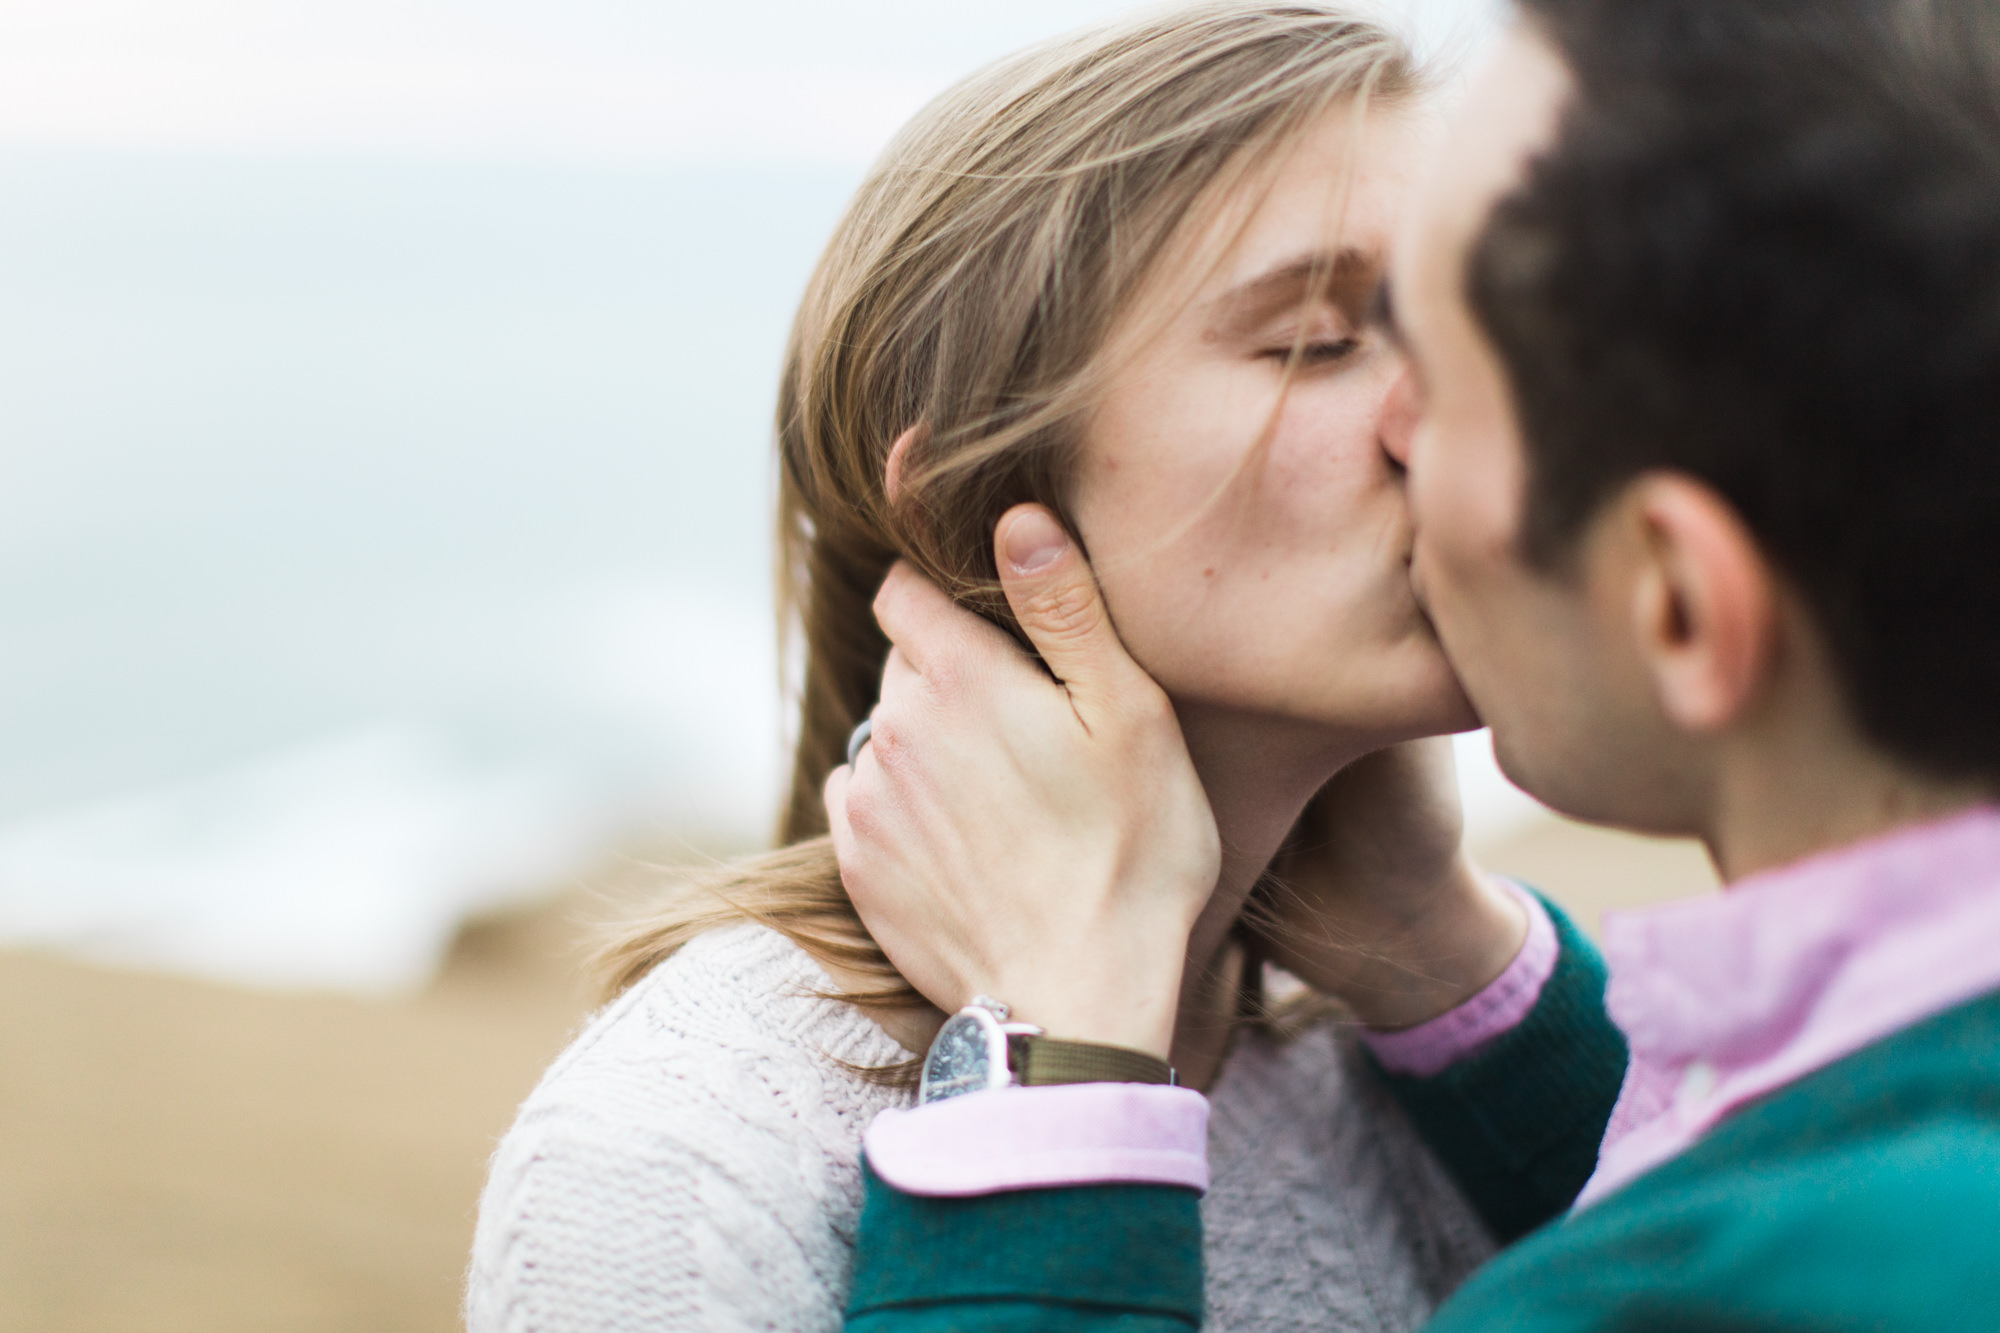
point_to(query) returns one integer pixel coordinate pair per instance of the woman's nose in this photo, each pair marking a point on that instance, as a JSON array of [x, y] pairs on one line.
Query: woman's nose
[[1401, 410]]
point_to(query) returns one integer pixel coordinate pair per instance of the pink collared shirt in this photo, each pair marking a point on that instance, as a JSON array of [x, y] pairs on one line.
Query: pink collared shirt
[[1724, 999], [1728, 997]]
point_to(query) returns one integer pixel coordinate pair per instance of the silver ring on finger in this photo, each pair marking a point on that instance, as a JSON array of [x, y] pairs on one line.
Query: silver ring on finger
[[858, 738]]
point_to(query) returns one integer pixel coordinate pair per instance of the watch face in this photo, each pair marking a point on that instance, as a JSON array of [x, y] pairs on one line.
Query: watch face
[[963, 1058]]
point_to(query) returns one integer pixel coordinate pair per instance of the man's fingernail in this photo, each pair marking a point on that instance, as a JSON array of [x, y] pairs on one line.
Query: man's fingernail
[[1035, 541]]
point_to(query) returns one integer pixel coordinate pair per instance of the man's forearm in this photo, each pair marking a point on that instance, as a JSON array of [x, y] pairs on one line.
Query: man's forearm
[[1516, 1116], [1519, 1123], [1083, 1258]]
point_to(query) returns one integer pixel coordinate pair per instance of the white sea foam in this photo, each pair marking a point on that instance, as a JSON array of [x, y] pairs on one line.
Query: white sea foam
[[346, 865]]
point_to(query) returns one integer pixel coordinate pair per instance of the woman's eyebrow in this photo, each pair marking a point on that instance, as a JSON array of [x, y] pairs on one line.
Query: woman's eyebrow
[[1348, 276]]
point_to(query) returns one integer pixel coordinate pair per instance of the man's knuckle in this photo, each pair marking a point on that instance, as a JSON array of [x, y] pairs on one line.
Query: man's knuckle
[[889, 602], [887, 741], [869, 807], [948, 676], [1065, 608], [863, 813]]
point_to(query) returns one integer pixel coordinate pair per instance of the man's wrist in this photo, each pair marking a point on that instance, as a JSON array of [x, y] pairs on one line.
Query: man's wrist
[[1446, 946], [1126, 993], [1463, 1031], [1135, 1025]]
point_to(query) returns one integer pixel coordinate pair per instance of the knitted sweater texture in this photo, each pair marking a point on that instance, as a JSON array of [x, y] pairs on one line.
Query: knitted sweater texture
[[692, 1161]]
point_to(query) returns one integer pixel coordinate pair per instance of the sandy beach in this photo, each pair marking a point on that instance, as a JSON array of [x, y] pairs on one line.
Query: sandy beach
[[180, 1156]]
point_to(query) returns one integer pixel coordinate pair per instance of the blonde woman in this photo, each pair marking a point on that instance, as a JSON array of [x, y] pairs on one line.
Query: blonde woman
[[1126, 275]]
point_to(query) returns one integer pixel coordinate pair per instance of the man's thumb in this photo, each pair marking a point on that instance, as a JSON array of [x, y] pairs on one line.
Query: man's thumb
[[1055, 597]]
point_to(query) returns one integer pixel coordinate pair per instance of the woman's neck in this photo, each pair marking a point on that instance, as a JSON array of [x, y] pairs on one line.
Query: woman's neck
[[1259, 773]]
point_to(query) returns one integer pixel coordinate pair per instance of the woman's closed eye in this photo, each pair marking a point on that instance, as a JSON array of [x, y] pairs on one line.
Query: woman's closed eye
[[1313, 351]]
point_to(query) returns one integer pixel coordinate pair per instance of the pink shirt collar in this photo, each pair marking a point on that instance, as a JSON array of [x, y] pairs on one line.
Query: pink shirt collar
[[1731, 996]]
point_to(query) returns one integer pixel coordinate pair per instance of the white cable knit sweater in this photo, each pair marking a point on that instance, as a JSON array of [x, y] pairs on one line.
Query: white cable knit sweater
[[692, 1161]]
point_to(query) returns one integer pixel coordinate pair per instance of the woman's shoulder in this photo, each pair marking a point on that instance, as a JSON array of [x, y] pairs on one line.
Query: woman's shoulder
[[700, 1137], [736, 1023]]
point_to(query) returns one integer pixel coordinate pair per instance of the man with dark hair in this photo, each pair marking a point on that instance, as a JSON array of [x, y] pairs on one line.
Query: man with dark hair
[[1765, 254], [1705, 306]]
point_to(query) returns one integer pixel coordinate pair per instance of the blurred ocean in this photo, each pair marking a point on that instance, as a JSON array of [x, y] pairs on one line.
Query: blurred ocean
[[440, 490], [385, 475]]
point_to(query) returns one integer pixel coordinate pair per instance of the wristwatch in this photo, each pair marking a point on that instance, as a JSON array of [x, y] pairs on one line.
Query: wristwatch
[[977, 1048]]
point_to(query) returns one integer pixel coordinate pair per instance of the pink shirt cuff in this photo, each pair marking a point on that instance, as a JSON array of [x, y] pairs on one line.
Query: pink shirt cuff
[[1039, 1138], [1457, 1034], [1093, 1133]]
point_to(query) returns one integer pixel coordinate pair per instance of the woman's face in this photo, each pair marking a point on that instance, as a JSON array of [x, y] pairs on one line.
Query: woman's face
[[1251, 533]]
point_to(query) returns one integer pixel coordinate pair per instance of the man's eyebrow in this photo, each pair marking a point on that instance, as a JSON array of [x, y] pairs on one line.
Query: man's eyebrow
[[1343, 275]]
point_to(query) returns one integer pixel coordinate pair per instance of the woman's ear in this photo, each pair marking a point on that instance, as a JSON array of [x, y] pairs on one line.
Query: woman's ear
[[892, 480], [1705, 608]]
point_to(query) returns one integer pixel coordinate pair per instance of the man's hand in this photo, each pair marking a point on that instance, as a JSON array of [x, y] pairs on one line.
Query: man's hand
[[1379, 904], [1044, 841]]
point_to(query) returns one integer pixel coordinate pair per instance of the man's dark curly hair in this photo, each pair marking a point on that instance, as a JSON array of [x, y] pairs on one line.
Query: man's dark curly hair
[[1764, 251]]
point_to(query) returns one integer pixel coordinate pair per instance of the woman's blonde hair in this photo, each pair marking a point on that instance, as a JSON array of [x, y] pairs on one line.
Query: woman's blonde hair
[[969, 290]]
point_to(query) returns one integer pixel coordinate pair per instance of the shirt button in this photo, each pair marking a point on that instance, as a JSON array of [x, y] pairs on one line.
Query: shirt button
[[1697, 1084]]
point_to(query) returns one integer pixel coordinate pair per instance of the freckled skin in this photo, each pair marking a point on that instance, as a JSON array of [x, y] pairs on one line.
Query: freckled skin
[[1254, 556]]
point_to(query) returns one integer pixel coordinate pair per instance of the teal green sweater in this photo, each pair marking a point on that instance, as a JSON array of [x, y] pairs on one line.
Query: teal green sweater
[[1864, 1197]]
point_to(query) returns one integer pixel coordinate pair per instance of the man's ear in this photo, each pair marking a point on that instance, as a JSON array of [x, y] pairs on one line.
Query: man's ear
[[1705, 603]]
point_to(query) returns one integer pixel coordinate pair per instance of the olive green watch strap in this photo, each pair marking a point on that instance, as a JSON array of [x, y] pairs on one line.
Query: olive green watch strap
[[1040, 1061]]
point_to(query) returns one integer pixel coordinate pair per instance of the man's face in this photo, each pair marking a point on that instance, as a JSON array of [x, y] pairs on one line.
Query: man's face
[[1546, 657]]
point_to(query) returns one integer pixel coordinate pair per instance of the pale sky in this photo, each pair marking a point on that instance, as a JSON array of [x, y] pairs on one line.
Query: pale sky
[[373, 445], [801, 80]]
